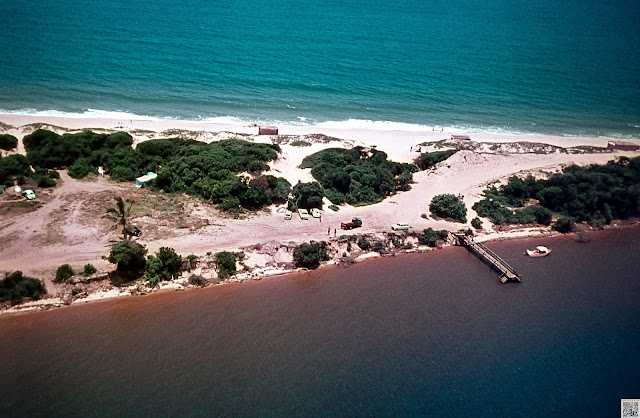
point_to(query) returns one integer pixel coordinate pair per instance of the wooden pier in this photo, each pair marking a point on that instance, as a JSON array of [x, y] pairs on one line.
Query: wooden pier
[[492, 258]]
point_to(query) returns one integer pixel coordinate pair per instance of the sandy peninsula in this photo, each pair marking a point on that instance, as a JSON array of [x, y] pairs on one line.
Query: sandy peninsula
[[68, 228]]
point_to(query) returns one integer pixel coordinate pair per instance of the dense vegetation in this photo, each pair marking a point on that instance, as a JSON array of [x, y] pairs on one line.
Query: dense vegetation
[[448, 206], [358, 176], [8, 142], [64, 272], [596, 194], [14, 287], [430, 236], [427, 160], [165, 265], [310, 254], [226, 264], [129, 258], [209, 171], [307, 196]]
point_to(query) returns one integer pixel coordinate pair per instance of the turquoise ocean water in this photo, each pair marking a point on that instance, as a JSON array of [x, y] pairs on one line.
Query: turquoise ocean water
[[551, 66]]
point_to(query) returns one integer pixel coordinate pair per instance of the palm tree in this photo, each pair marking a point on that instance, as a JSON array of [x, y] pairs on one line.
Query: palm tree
[[119, 215]]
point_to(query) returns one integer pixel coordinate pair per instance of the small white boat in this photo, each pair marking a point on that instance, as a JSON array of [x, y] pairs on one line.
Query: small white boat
[[539, 252]]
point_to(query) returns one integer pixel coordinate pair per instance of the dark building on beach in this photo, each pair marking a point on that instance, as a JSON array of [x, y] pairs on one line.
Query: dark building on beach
[[623, 146]]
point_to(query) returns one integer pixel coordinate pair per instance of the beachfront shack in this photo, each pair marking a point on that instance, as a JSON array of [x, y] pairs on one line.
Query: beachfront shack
[[623, 146], [267, 130], [143, 181], [461, 137]]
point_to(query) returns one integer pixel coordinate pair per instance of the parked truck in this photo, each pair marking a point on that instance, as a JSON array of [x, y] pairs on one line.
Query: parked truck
[[355, 223]]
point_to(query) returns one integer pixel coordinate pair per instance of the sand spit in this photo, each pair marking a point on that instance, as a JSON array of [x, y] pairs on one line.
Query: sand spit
[[66, 225]]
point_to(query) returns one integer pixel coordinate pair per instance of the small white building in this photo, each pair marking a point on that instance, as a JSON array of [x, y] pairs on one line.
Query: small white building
[[143, 181]]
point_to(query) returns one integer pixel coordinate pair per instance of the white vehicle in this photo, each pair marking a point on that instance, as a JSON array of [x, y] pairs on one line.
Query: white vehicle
[[287, 215], [400, 226], [315, 212], [304, 214]]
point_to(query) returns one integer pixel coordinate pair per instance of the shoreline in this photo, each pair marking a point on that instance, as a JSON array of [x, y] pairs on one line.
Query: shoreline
[[492, 159]]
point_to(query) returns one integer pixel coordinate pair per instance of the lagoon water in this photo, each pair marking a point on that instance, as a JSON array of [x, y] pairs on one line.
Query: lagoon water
[[562, 67], [424, 334]]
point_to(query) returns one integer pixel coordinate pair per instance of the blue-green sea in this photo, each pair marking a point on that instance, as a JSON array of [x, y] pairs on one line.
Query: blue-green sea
[[569, 67]]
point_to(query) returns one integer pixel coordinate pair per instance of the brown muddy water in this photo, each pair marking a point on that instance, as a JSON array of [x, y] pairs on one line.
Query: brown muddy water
[[420, 334]]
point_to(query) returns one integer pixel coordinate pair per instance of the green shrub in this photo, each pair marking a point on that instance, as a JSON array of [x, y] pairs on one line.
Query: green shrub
[[63, 273], [308, 195], [45, 181], [80, 168], [363, 243], [14, 287], [448, 206], [226, 263], [429, 159], [309, 255], [334, 208], [129, 257], [378, 246], [564, 224], [165, 265], [197, 280], [357, 176], [476, 223], [428, 237], [89, 269], [8, 142]]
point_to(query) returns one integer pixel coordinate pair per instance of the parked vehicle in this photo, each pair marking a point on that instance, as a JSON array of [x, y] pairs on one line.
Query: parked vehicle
[[355, 223], [133, 231], [304, 214], [401, 226], [287, 215], [29, 194], [315, 212]]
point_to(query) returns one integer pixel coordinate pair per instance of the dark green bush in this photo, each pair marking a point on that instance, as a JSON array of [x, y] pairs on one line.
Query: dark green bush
[[45, 181], [378, 246], [64, 272], [428, 237], [308, 195], [197, 280], [129, 257], [14, 287], [564, 224], [12, 167], [80, 168], [226, 263], [476, 223], [310, 254], [429, 159], [448, 206], [8, 142], [363, 243], [89, 269], [358, 176], [165, 265]]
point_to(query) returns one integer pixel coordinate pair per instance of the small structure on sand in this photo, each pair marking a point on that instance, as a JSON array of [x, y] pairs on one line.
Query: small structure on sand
[[143, 181], [623, 145], [268, 130], [462, 137]]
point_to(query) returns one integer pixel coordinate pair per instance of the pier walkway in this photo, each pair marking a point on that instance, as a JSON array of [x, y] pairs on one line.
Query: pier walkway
[[508, 273]]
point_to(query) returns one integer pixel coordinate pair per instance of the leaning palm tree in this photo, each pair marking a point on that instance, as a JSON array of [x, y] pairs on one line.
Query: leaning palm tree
[[119, 215]]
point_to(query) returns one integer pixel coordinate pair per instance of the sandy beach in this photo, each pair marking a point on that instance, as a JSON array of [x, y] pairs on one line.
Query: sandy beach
[[68, 228]]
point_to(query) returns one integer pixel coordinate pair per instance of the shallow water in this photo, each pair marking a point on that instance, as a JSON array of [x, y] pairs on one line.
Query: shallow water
[[417, 334]]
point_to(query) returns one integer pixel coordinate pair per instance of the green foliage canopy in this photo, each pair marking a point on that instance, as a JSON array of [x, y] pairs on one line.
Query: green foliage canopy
[[129, 256], [14, 287], [226, 263], [448, 206], [8, 142], [310, 254]]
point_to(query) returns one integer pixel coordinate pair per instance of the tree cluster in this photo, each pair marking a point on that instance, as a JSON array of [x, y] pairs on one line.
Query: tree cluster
[[596, 194], [427, 160], [358, 176], [310, 254], [448, 206], [430, 236], [8, 142], [209, 171], [226, 264], [14, 287]]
